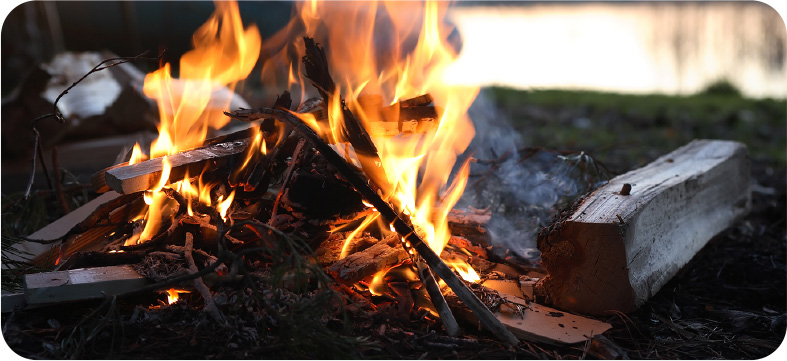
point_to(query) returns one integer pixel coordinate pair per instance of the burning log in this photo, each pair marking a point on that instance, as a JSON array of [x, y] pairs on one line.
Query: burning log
[[628, 238], [393, 120], [145, 175]]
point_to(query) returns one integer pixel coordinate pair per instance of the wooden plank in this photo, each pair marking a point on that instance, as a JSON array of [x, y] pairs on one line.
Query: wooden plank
[[38, 252], [80, 284], [145, 175], [12, 301], [533, 322], [615, 250]]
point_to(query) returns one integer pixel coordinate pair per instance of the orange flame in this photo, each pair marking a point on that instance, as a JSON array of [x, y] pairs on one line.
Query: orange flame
[[137, 155], [173, 295], [418, 166], [224, 53]]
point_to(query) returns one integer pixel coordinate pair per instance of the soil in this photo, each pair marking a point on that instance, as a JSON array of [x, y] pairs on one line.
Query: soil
[[727, 303]]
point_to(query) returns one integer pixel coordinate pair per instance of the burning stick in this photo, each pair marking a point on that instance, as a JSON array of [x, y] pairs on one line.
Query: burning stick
[[400, 225], [395, 120]]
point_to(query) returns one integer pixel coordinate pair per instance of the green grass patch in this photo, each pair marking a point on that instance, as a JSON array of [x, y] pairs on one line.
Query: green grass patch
[[628, 130]]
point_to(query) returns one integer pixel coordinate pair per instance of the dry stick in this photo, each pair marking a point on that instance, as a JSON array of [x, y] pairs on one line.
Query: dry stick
[[210, 305], [58, 182], [401, 226], [43, 166]]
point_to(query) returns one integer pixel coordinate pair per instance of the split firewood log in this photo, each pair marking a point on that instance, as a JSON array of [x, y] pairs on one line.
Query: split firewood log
[[629, 237]]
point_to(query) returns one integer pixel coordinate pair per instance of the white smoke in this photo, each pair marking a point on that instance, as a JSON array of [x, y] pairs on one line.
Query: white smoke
[[520, 186]]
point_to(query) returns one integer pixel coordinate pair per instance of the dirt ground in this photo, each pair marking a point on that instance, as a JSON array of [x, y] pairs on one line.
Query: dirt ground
[[727, 303]]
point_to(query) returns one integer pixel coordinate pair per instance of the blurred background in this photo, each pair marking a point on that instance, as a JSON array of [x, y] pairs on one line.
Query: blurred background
[[632, 47], [609, 83]]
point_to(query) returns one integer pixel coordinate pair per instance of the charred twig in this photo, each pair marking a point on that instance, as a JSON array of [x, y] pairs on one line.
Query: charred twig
[[163, 236], [259, 178], [155, 241], [400, 225]]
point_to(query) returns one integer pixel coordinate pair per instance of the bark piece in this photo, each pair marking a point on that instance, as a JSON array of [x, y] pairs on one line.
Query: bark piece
[[145, 175], [615, 251], [81, 284]]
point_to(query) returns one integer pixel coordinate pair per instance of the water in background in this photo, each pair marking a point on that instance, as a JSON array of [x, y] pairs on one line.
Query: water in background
[[662, 47]]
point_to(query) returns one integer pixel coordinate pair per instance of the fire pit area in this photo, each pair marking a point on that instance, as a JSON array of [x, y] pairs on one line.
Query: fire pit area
[[361, 213]]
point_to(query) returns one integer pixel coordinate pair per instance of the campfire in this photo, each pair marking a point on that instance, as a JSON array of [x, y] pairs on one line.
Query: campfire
[[365, 173], [346, 185]]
